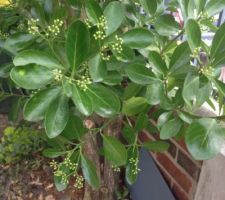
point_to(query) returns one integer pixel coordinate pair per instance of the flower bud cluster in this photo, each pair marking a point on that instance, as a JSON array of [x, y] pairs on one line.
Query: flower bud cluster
[[57, 74], [54, 29], [68, 163], [21, 27], [104, 53], [101, 25], [115, 168], [79, 181], [117, 46], [65, 173], [84, 81], [134, 163], [88, 23], [196, 52], [3, 36], [33, 26], [207, 70]]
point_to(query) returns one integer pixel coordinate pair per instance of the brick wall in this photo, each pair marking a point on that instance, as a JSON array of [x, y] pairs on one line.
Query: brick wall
[[178, 168]]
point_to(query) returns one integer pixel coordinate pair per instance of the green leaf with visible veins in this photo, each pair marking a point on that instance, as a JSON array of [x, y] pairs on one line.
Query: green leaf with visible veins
[[204, 138], [36, 57], [105, 102], [31, 77], [36, 106], [57, 117], [77, 44], [89, 172], [114, 151]]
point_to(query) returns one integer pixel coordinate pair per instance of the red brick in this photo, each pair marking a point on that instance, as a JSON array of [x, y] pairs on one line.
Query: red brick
[[181, 178], [190, 167], [172, 149], [182, 144], [143, 136], [179, 193]]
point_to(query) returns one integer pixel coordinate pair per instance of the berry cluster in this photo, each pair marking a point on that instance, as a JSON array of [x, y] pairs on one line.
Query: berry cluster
[[68, 163], [88, 23], [3, 36], [64, 169], [101, 25], [207, 70], [84, 81], [54, 29], [115, 168], [57, 74], [196, 52], [104, 53], [79, 181], [134, 163], [33, 28], [117, 46]]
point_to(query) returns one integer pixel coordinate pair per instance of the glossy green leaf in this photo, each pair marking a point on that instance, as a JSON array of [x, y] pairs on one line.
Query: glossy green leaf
[[89, 172], [163, 118], [81, 100], [180, 57], [131, 177], [113, 78], [58, 184], [93, 10], [105, 102], [212, 7], [37, 105], [114, 151], [220, 86], [31, 76], [74, 128], [166, 25], [114, 14], [138, 38], [126, 55], [193, 32], [170, 128], [140, 74], [158, 63], [204, 138], [77, 44], [141, 122], [129, 134], [155, 93], [218, 42], [200, 5], [53, 153], [157, 146], [5, 70], [36, 57], [57, 117], [132, 90], [134, 106], [18, 42], [150, 6], [97, 68], [190, 89]]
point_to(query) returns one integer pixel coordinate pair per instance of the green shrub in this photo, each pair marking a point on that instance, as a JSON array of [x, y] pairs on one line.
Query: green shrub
[[18, 143]]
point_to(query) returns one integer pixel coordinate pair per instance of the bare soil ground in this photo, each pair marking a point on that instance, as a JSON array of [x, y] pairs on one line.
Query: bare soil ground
[[31, 179]]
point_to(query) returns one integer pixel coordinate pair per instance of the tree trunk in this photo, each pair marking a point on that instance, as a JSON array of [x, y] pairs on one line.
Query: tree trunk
[[109, 179]]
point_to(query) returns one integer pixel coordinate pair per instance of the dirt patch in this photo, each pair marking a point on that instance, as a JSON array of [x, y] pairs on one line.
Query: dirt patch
[[32, 179]]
